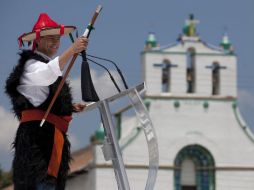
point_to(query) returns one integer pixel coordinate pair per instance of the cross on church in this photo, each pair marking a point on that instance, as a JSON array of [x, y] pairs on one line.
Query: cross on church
[[165, 65], [215, 77], [215, 67]]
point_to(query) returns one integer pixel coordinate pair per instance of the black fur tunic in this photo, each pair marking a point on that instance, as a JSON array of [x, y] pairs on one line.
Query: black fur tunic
[[33, 144]]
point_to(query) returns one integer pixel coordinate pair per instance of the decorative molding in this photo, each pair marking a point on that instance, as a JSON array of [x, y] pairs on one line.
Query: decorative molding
[[169, 97], [184, 53], [170, 167], [241, 121]]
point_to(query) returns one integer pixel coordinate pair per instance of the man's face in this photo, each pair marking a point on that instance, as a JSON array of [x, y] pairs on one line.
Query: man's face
[[49, 45]]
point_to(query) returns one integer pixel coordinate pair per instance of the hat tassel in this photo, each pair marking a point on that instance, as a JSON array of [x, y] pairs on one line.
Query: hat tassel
[[20, 41]]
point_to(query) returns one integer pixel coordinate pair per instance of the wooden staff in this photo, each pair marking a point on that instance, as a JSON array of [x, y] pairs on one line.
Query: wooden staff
[[86, 34]]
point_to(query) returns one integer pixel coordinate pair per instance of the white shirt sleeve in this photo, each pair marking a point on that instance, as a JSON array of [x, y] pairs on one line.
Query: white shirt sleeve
[[37, 73]]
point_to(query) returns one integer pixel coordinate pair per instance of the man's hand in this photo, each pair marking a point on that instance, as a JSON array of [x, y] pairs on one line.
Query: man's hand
[[78, 107], [79, 45]]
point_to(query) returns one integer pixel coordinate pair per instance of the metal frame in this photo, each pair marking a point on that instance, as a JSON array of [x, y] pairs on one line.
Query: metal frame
[[111, 149]]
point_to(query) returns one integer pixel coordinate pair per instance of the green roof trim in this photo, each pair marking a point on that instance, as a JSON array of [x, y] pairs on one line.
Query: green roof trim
[[176, 104], [234, 104], [151, 41], [100, 134], [153, 44], [205, 104], [226, 45], [147, 103]]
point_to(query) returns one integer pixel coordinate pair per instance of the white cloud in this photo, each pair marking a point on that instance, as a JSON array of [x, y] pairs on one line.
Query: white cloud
[[75, 89], [102, 83], [75, 144], [8, 129]]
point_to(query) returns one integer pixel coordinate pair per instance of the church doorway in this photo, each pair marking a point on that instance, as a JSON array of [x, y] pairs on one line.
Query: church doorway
[[189, 188], [194, 169]]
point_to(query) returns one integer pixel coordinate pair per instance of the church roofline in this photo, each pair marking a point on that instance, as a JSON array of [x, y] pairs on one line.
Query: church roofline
[[169, 46], [82, 160], [183, 53], [191, 97], [242, 123], [219, 50]]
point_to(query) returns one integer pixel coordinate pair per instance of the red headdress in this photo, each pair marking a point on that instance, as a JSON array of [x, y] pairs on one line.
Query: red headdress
[[43, 27]]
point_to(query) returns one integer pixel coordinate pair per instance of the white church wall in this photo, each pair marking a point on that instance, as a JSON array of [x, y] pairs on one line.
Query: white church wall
[[178, 74], [138, 177], [153, 74], [105, 179], [203, 75], [235, 180], [191, 123], [82, 181], [228, 76]]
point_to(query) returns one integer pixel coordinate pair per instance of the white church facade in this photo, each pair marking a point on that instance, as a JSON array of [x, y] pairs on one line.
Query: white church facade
[[191, 97]]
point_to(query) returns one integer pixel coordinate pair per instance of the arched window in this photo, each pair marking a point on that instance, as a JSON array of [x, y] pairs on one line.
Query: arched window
[[188, 174], [194, 169], [166, 76], [191, 70], [216, 78]]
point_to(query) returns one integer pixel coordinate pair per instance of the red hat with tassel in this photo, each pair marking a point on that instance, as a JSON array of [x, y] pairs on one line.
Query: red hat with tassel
[[43, 27]]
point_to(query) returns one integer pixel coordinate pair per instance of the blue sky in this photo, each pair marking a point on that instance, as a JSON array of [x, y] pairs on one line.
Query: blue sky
[[120, 33]]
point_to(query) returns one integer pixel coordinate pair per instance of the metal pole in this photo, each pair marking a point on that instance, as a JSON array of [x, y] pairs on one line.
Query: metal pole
[[112, 140]]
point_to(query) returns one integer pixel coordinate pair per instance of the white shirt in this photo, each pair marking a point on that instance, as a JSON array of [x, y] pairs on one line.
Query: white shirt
[[36, 78]]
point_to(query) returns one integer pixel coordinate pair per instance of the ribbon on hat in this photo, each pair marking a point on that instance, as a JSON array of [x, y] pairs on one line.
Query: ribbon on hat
[[37, 33], [61, 29], [20, 41]]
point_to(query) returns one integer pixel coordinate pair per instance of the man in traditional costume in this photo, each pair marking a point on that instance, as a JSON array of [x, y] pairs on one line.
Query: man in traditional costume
[[42, 154]]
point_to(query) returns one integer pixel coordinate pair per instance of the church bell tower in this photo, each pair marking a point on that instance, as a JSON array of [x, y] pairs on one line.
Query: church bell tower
[[191, 67]]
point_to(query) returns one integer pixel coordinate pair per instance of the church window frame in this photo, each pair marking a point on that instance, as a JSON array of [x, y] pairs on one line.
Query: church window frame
[[216, 78], [166, 76], [191, 70], [204, 165]]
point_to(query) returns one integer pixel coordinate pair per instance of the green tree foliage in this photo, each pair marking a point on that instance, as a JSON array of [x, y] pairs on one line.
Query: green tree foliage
[[5, 178]]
